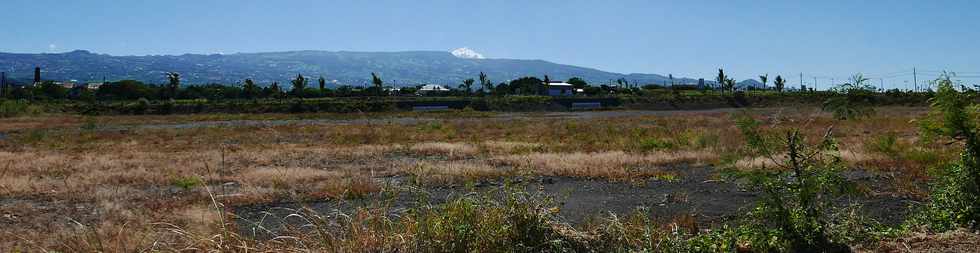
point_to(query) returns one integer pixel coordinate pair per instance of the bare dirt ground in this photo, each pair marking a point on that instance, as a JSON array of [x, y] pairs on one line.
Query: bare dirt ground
[[697, 193]]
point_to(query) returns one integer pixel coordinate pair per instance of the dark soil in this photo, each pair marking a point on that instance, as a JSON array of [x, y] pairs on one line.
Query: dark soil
[[697, 193]]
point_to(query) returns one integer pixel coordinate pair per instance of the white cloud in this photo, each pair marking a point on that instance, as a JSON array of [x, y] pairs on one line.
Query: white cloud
[[52, 47], [465, 52]]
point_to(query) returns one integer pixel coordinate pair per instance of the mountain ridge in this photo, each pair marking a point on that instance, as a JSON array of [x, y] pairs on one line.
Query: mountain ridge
[[399, 68]]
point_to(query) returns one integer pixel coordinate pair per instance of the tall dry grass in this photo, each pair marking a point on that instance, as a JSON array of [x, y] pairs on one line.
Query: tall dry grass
[[616, 165]]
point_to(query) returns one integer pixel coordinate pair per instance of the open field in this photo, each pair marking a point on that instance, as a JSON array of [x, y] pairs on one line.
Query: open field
[[288, 181]]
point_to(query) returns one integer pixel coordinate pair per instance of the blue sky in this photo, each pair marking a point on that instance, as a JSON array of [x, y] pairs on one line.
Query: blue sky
[[825, 39]]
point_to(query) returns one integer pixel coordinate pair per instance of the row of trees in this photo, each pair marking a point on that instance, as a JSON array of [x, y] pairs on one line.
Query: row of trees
[[728, 84], [299, 87]]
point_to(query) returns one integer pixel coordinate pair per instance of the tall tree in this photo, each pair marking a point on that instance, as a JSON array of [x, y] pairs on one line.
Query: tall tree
[[779, 83], [577, 83], [299, 84], [249, 89], [622, 82], [467, 85], [765, 80], [721, 78], [671, 76], [3, 84], [730, 85], [377, 82], [173, 79], [275, 91], [323, 84], [37, 75], [485, 82]]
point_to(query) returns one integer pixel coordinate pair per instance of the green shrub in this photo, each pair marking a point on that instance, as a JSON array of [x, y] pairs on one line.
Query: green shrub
[[792, 214], [852, 100], [653, 144], [886, 144], [14, 108], [706, 140], [89, 124], [139, 107], [955, 197], [187, 182], [921, 155], [166, 107], [520, 223]]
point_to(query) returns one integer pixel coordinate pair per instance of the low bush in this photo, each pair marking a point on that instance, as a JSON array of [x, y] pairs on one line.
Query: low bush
[[186, 182], [955, 198], [797, 195], [14, 108], [886, 143], [654, 144]]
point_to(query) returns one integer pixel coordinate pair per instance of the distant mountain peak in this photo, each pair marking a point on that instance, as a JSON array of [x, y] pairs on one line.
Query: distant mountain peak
[[467, 53]]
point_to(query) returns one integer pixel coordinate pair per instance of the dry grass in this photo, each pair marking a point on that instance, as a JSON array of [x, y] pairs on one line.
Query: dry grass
[[452, 150], [452, 172], [616, 165], [129, 178], [850, 157], [510, 147], [952, 241]]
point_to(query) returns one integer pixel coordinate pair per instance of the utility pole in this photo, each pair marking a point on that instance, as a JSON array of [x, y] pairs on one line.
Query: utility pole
[[915, 79], [801, 81], [881, 84], [3, 84], [815, 87]]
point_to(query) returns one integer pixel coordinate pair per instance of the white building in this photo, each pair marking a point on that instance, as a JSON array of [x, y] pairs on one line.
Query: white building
[[558, 89], [432, 88]]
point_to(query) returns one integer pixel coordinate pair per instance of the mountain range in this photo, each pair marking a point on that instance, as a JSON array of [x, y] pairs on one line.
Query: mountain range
[[339, 68]]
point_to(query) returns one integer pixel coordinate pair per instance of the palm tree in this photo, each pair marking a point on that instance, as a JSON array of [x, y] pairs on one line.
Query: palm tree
[[377, 82], [250, 89], [467, 85], [323, 83], [299, 84], [730, 85], [275, 91], [780, 83], [765, 80], [174, 83], [485, 82], [721, 79]]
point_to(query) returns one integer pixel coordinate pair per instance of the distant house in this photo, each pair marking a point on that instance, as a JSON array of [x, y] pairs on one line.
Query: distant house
[[558, 89], [69, 84], [93, 86], [431, 88]]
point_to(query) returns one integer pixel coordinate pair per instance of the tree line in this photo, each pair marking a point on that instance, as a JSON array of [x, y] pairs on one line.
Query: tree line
[[300, 87]]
